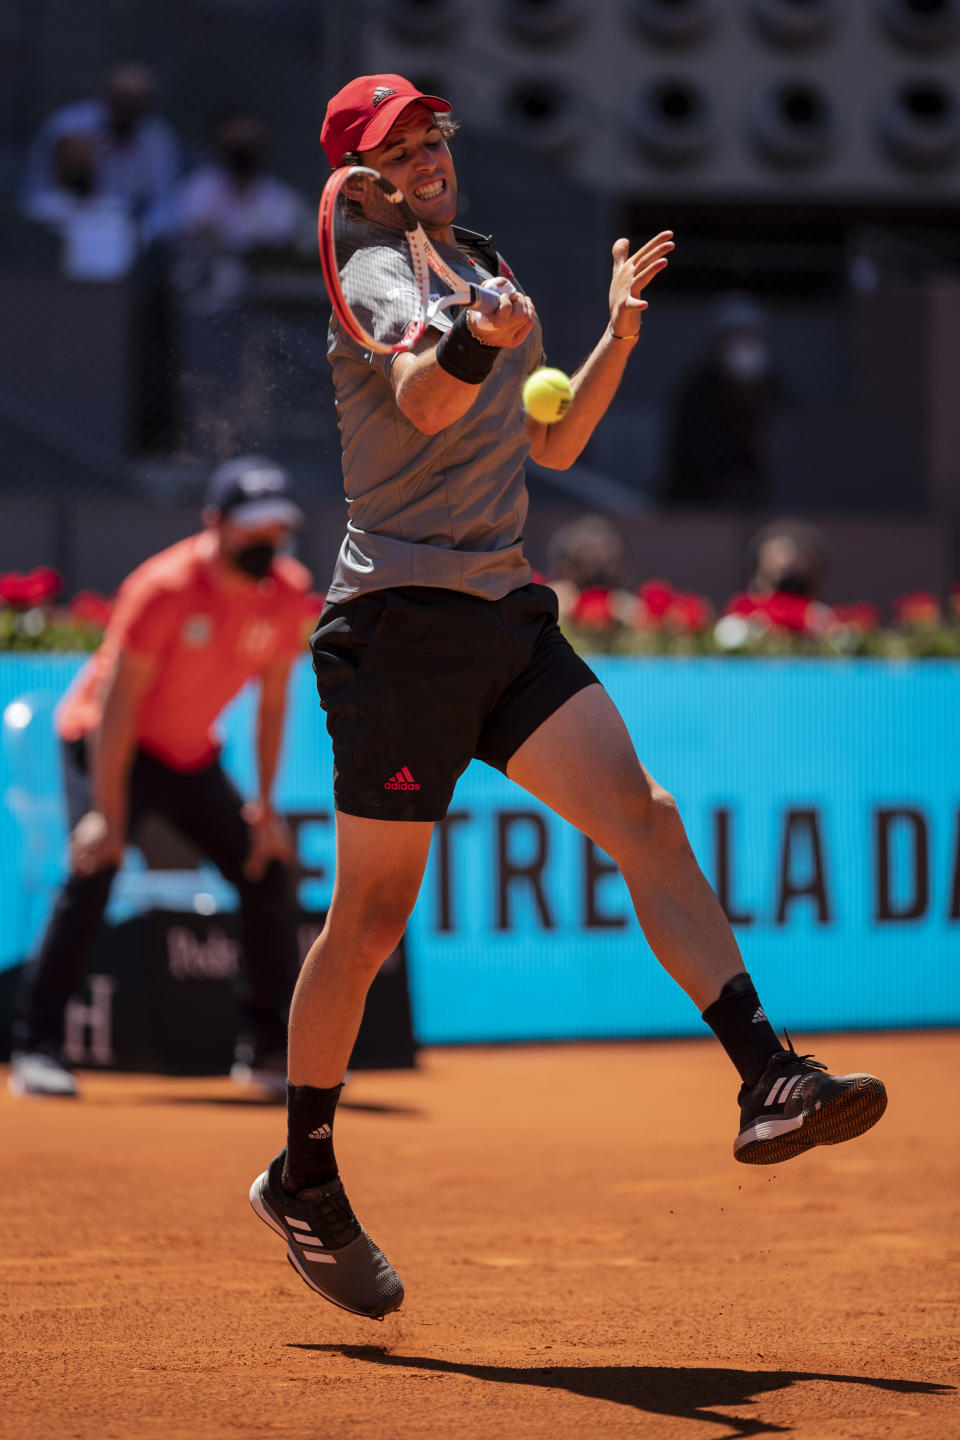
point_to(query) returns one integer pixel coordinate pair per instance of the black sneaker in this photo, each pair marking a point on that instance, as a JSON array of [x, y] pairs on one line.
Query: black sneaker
[[795, 1105], [327, 1245]]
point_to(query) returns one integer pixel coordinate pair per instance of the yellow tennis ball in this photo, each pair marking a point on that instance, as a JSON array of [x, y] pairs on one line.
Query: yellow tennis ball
[[546, 395]]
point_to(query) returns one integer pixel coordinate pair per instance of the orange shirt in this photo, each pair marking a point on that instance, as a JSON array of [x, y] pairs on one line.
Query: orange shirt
[[209, 639]]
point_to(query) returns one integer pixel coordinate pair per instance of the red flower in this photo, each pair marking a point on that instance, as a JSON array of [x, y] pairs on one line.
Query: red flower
[[25, 591], [688, 613], [657, 596], [594, 610], [742, 604], [11, 589], [856, 617], [90, 608], [918, 608], [780, 610], [788, 612], [45, 582]]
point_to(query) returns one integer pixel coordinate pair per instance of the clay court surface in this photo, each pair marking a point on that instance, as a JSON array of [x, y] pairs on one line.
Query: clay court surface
[[582, 1258]]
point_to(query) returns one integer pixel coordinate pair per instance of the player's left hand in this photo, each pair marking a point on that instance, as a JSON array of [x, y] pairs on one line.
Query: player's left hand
[[631, 275], [269, 839]]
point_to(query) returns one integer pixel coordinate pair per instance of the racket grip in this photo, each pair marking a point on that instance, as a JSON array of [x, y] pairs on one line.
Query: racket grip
[[486, 301], [486, 297]]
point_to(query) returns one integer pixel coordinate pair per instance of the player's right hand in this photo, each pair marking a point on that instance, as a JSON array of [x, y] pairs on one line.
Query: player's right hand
[[95, 845], [509, 325]]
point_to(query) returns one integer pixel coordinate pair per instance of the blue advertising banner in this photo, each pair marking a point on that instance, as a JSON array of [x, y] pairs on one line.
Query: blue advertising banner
[[822, 799]]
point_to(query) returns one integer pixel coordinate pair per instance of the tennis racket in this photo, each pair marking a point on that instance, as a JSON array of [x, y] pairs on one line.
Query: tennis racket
[[378, 264]]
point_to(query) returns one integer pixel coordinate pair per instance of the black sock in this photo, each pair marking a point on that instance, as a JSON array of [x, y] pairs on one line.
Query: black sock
[[310, 1159], [736, 1018]]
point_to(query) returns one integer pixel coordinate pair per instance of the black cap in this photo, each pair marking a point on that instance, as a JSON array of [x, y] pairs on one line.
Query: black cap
[[252, 490]]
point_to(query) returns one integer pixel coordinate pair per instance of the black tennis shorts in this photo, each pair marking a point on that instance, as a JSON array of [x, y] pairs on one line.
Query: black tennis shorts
[[417, 681]]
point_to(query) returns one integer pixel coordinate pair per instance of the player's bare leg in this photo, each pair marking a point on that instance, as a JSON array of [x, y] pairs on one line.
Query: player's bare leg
[[380, 865], [581, 762], [379, 869]]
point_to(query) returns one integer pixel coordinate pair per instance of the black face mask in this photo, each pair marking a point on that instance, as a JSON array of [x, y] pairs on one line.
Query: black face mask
[[79, 182], [795, 582], [123, 123], [255, 560], [242, 160]]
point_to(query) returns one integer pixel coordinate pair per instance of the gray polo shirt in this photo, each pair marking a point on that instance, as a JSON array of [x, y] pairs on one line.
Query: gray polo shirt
[[446, 510]]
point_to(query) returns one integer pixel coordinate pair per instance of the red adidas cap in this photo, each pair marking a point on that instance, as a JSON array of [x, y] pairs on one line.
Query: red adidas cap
[[361, 115]]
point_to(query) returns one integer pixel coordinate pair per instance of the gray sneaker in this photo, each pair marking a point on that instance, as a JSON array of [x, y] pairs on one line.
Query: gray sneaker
[[327, 1245], [264, 1073], [40, 1072]]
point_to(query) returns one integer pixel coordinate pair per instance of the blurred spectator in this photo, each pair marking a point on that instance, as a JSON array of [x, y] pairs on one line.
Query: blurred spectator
[[588, 552], [789, 557], [71, 184], [135, 154], [191, 627], [99, 235], [718, 444], [233, 204], [230, 211], [789, 560], [587, 567]]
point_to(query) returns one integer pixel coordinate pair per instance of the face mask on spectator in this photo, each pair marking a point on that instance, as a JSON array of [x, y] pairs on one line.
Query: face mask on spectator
[[126, 112], [255, 560], [796, 582], [242, 159], [74, 165], [79, 181]]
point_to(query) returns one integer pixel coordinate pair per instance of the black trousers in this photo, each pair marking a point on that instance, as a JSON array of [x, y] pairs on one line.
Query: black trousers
[[206, 807]]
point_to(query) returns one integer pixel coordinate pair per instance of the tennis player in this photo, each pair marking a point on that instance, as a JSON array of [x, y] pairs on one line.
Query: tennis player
[[436, 647], [191, 626]]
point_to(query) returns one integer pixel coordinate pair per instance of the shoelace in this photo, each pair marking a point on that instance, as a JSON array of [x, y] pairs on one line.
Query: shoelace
[[808, 1060], [336, 1221]]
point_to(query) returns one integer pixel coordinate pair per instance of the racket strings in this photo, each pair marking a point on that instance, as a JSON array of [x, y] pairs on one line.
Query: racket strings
[[378, 265], [363, 198], [379, 294], [359, 217]]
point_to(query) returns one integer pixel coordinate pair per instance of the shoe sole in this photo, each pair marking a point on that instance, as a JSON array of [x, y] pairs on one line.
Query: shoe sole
[[261, 1209], [847, 1115], [32, 1092]]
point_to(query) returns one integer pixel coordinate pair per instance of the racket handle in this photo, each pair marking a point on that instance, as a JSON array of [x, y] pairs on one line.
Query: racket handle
[[486, 297]]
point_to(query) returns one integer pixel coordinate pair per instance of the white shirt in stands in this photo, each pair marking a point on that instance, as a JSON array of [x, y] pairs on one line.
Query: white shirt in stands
[[263, 211]]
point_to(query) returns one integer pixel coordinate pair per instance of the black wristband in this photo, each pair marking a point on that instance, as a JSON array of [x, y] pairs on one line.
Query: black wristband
[[463, 356]]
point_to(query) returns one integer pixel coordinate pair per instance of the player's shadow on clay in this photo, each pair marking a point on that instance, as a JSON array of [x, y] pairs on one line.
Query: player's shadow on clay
[[686, 1393], [263, 1102]]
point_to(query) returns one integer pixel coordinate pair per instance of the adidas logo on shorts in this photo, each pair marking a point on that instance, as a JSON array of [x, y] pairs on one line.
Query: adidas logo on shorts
[[403, 780]]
